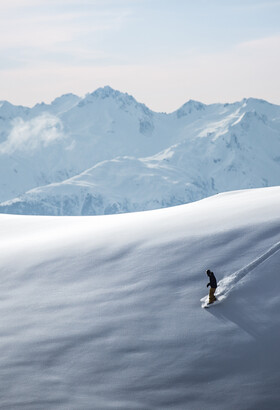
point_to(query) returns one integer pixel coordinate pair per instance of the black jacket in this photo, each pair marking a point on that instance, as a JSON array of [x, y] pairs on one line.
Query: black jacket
[[213, 282]]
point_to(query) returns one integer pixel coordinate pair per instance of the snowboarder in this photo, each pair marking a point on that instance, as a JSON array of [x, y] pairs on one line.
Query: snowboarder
[[213, 286]]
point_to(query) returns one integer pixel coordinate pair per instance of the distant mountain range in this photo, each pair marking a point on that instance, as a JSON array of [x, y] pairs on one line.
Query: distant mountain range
[[107, 153]]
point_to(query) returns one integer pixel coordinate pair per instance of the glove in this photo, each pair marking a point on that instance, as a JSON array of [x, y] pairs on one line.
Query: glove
[[208, 285]]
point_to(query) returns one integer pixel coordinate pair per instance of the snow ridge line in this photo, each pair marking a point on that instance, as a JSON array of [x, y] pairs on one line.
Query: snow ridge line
[[227, 284]]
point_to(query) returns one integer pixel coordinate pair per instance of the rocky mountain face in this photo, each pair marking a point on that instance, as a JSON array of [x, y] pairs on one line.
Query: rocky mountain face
[[107, 153]]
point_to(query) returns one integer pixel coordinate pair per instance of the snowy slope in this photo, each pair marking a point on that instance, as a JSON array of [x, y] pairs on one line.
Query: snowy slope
[[103, 312], [108, 153]]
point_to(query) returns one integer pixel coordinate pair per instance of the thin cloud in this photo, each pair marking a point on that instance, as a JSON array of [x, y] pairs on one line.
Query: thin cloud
[[40, 29], [261, 5], [250, 69], [29, 135], [55, 47], [24, 4]]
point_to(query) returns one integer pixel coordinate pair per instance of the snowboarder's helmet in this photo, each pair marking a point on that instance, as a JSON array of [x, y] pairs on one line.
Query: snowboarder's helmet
[[208, 272]]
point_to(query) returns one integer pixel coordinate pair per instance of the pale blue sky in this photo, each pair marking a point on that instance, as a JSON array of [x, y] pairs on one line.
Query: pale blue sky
[[163, 52]]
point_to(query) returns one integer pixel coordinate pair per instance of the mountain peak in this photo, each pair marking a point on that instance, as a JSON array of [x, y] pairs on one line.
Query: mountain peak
[[190, 107], [7, 109], [123, 100], [262, 107], [65, 103], [256, 103], [65, 97], [254, 100], [107, 92]]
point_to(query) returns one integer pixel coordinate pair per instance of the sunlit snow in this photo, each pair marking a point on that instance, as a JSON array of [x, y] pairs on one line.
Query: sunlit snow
[[104, 312]]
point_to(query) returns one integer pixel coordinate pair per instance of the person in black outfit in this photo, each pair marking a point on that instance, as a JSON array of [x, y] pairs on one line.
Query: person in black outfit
[[213, 286]]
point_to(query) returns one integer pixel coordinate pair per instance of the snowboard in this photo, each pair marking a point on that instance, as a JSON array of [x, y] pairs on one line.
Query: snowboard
[[206, 305], [204, 301]]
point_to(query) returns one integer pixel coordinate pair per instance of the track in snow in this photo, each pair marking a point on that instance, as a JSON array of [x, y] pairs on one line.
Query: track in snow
[[226, 285]]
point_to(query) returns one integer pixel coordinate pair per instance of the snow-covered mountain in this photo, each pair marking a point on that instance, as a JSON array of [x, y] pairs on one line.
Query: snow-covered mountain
[[104, 312], [107, 153]]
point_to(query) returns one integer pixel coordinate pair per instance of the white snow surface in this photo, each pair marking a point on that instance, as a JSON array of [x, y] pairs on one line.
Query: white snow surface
[[106, 153], [104, 312]]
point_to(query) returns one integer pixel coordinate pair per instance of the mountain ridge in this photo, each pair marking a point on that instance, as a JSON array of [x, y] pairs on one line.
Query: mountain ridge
[[137, 159]]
